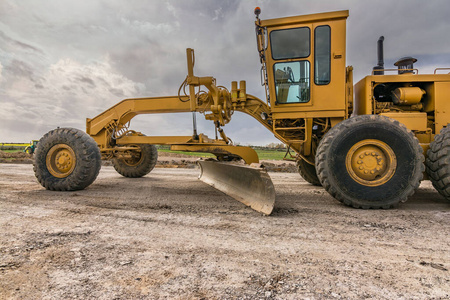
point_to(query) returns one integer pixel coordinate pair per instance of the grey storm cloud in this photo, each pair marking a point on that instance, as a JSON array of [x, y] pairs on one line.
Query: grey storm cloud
[[8, 41], [17, 68], [62, 61]]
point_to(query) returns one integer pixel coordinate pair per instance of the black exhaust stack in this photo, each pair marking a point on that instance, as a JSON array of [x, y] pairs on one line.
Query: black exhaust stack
[[379, 69]]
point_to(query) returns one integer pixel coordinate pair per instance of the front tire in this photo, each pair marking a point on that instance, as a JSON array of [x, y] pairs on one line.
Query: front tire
[[67, 159], [370, 161], [438, 164], [308, 172], [140, 164]]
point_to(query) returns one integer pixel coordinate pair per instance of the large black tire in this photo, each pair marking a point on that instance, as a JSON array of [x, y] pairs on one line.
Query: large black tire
[[140, 165], [308, 172], [438, 162], [370, 161], [67, 159]]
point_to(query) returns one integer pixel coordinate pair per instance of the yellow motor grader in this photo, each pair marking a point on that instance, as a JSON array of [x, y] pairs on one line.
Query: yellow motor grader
[[366, 152]]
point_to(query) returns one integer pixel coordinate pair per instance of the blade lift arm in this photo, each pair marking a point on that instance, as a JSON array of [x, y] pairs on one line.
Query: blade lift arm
[[217, 103]]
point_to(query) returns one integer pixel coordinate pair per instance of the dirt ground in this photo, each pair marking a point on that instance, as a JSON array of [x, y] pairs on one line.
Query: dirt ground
[[170, 236]]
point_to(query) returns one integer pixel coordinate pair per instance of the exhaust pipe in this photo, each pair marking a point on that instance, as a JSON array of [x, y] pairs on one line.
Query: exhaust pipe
[[378, 69], [380, 51]]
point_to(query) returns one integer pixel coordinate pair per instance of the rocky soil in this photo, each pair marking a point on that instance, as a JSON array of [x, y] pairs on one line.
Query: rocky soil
[[170, 236]]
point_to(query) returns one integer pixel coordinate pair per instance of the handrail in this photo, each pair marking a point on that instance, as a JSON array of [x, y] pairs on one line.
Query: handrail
[[395, 70], [440, 69]]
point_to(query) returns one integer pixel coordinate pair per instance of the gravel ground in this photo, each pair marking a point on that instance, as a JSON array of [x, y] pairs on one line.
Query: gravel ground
[[169, 236]]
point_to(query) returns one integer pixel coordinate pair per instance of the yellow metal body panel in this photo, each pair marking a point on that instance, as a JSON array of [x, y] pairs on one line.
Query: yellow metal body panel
[[442, 104], [309, 114], [294, 20], [416, 121], [362, 104]]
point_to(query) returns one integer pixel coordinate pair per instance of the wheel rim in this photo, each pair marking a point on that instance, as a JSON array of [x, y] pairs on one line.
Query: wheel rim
[[61, 160], [136, 159], [371, 162]]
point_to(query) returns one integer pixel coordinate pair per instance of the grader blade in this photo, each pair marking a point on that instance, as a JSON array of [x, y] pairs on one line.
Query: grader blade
[[249, 185]]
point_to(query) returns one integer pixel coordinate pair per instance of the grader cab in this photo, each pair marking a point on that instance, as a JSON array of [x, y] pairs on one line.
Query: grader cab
[[367, 152]]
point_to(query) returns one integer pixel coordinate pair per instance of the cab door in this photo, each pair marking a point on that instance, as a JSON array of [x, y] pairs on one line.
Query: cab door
[[306, 66]]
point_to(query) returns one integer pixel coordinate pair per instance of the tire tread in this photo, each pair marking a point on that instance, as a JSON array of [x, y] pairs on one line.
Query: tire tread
[[86, 151], [336, 132], [146, 166], [438, 162]]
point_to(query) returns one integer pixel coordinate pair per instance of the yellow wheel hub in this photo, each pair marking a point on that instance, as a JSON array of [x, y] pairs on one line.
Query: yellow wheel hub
[[61, 160], [371, 162], [134, 159]]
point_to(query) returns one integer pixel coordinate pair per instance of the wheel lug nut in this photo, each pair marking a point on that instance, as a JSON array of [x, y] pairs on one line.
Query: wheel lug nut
[[366, 172], [360, 161], [361, 167], [367, 153], [373, 153], [372, 172], [361, 156]]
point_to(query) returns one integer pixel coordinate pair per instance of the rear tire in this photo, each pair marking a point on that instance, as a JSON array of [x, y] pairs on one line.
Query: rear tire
[[370, 161], [308, 172], [140, 165], [67, 159], [438, 164]]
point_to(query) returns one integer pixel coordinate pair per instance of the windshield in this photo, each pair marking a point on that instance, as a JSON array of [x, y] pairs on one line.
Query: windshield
[[290, 43]]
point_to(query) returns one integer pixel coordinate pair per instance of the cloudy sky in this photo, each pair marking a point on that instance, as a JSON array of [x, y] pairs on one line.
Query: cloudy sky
[[63, 60]]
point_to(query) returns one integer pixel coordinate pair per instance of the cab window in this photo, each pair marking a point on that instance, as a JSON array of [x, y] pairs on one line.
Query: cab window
[[292, 84], [290, 43], [322, 55]]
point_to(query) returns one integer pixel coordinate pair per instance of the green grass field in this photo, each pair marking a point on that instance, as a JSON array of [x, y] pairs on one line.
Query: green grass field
[[198, 154], [270, 154], [14, 144], [13, 147]]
